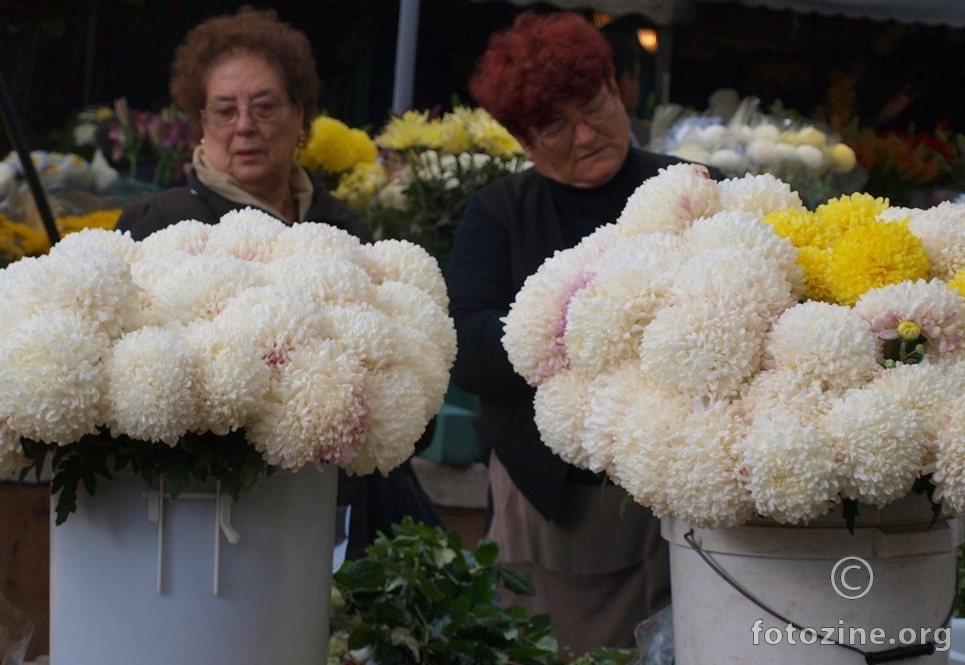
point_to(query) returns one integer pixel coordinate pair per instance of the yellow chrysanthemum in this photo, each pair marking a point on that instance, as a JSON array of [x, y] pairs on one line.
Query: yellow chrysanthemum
[[18, 240], [849, 211], [358, 186], [99, 219], [957, 283], [335, 147], [454, 136], [816, 264], [404, 132], [874, 255], [802, 228], [491, 137]]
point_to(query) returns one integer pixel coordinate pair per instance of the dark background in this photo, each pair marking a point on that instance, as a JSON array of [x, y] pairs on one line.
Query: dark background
[[58, 56]]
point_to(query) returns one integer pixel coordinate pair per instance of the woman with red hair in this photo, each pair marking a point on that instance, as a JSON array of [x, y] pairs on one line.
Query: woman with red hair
[[598, 563]]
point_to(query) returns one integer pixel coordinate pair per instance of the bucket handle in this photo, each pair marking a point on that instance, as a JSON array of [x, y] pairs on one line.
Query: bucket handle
[[904, 652]]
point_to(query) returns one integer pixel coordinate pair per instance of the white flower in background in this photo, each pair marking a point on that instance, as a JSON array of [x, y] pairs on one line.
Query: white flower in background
[[672, 201], [8, 179], [11, 457], [152, 375], [52, 376], [828, 345], [942, 233]]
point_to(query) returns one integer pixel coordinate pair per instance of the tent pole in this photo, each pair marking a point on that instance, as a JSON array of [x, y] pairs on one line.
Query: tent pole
[[405, 55]]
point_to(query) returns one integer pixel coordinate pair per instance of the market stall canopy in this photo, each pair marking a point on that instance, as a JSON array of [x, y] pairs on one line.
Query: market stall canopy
[[661, 12], [931, 12]]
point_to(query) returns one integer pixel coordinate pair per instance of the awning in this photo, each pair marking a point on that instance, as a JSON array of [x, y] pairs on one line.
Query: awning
[[930, 12]]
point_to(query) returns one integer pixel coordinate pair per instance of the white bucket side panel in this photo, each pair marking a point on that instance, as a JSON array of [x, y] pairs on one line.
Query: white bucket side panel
[[274, 584]]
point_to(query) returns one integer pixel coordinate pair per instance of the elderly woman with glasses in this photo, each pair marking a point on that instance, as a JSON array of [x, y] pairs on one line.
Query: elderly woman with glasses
[[248, 83], [598, 563]]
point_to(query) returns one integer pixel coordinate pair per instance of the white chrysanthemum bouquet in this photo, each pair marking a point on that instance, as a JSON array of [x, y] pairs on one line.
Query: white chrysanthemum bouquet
[[721, 352], [219, 351]]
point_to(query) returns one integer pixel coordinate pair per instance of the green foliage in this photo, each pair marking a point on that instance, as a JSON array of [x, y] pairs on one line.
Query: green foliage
[[423, 597], [197, 457]]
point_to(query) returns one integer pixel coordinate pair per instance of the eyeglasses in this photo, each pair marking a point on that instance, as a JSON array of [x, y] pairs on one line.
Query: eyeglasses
[[264, 111], [594, 113]]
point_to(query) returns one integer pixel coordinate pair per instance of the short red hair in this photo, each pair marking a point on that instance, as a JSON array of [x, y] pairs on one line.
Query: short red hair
[[537, 63]]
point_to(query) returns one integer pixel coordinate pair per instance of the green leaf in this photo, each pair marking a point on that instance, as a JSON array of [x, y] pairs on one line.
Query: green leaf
[[516, 581]]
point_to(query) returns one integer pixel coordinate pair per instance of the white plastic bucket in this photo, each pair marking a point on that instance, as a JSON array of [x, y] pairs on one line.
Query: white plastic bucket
[[138, 580], [789, 570]]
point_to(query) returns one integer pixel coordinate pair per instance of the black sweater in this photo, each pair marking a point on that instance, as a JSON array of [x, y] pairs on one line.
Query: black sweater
[[507, 231]]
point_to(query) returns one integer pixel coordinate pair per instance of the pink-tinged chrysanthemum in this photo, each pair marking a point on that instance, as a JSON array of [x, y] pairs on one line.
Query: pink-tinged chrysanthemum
[[152, 375], [189, 236], [735, 277], [936, 309], [941, 230], [397, 404], [747, 230], [403, 261], [605, 320], [758, 194], [703, 350], [232, 377], [247, 234], [312, 239], [180, 287], [881, 445], [52, 376], [671, 200], [791, 468], [367, 332], [704, 486], [316, 410], [536, 323], [829, 345], [561, 404], [275, 320]]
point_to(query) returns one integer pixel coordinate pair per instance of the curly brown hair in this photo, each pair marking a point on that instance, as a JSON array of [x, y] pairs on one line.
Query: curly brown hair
[[247, 31], [538, 62]]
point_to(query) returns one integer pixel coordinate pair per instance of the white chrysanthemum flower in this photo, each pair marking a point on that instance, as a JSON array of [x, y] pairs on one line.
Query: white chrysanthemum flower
[[180, 287], [365, 331], [721, 349], [247, 234], [415, 309], [418, 353], [397, 406], [316, 411], [645, 437], [233, 378], [704, 486], [881, 445], [275, 320], [327, 279], [189, 236], [936, 309], [605, 320], [757, 194], [746, 230], [671, 200], [784, 391], [735, 277], [152, 375], [602, 240], [827, 344], [95, 284], [52, 377], [612, 397], [536, 322], [82, 243], [791, 467], [403, 261], [315, 240], [949, 475], [561, 404], [11, 455], [941, 230]]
